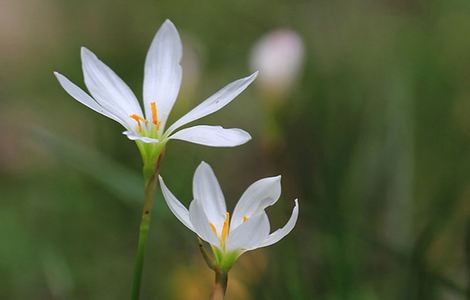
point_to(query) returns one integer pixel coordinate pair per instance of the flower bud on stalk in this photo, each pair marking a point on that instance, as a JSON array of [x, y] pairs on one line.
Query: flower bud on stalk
[[279, 56]]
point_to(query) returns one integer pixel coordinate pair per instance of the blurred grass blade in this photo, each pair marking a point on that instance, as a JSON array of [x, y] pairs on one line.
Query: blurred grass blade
[[125, 184]]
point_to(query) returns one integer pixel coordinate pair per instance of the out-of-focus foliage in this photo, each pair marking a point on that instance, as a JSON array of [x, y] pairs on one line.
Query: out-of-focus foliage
[[374, 140]]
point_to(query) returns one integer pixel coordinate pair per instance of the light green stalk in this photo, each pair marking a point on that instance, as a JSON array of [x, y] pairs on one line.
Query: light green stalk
[[151, 171]]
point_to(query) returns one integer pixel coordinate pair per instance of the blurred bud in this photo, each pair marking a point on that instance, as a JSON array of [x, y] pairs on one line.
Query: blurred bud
[[279, 56]]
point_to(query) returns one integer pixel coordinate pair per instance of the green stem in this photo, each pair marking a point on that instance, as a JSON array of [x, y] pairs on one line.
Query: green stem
[[151, 172], [220, 285]]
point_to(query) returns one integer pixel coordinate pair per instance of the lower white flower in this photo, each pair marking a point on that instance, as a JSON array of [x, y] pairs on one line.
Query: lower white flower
[[230, 236]]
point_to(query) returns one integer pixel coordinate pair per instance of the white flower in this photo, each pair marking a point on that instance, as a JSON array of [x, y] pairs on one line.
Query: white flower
[[111, 96], [247, 229]]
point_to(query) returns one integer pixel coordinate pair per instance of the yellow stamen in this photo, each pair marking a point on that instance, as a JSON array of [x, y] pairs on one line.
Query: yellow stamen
[[225, 228], [245, 218], [138, 119], [155, 121], [213, 228]]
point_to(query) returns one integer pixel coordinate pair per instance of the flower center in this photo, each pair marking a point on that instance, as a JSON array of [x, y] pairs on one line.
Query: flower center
[[225, 229], [142, 123]]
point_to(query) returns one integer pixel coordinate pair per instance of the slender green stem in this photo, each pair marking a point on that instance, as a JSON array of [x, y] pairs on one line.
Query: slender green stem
[[151, 177], [220, 285]]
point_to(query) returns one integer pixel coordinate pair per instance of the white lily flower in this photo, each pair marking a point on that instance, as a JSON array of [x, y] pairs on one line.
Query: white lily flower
[[111, 97], [248, 229]]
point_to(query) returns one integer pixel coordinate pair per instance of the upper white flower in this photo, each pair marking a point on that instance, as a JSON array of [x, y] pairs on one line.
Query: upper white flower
[[249, 226], [111, 96]]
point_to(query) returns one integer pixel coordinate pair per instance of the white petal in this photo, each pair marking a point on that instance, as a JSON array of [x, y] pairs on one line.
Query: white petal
[[201, 224], [251, 233], [134, 136], [175, 206], [162, 78], [277, 235], [81, 96], [108, 89], [207, 191], [214, 136], [261, 194], [214, 102]]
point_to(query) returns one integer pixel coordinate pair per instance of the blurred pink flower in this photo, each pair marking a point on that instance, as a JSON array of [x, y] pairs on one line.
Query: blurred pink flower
[[279, 56]]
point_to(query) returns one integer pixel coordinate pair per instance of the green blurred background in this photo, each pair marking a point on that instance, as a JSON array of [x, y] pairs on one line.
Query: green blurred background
[[373, 138]]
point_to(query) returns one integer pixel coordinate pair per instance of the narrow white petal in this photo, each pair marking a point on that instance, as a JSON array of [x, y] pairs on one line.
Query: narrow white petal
[[261, 194], [214, 102], [162, 78], [213, 136], [277, 235], [134, 136], [201, 224], [207, 191], [250, 234], [175, 206], [81, 96], [107, 88]]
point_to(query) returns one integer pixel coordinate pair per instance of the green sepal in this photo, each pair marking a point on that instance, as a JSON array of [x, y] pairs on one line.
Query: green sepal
[[150, 153], [225, 259]]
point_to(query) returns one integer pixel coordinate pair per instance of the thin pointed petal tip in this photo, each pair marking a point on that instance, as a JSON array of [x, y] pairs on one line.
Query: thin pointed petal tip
[[203, 165], [252, 76], [168, 25], [60, 77], [168, 22], [275, 179], [247, 134], [86, 53], [245, 137], [295, 210], [84, 50]]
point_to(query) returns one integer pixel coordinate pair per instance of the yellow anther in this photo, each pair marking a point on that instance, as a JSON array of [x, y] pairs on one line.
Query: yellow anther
[[213, 228], [245, 218], [155, 121], [138, 119], [225, 228]]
